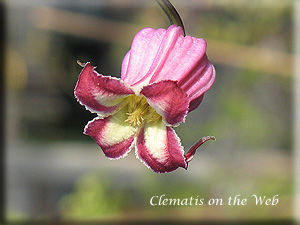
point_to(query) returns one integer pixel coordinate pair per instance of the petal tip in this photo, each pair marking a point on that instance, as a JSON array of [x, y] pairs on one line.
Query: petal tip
[[81, 63], [191, 152]]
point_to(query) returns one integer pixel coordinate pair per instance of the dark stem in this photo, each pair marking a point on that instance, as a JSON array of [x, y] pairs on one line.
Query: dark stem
[[191, 152], [171, 12]]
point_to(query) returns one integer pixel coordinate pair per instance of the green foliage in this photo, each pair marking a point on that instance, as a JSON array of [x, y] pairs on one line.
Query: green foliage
[[91, 198], [244, 22]]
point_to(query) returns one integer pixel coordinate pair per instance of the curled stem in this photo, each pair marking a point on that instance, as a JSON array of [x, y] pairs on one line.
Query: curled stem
[[171, 12], [191, 152]]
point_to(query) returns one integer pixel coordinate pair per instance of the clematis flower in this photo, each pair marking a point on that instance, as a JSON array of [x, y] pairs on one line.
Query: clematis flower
[[163, 77]]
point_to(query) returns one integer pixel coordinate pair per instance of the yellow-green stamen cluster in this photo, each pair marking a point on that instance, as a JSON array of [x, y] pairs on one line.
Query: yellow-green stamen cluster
[[139, 111]]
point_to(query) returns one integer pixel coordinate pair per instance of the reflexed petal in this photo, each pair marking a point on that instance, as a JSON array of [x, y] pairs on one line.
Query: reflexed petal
[[100, 94], [159, 148], [168, 100], [112, 134]]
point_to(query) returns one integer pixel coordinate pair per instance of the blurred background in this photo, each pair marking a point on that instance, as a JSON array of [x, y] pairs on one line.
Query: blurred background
[[54, 172]]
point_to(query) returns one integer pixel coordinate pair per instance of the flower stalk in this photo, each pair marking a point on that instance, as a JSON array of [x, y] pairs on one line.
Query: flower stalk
[[171, 12]]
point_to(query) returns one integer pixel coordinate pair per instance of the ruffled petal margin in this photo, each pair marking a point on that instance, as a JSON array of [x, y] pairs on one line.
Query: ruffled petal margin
[[168, 100], [112, 134], [159, 148], [100, 94]]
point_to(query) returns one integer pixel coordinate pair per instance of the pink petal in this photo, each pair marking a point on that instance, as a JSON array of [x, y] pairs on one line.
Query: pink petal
[[161, 42], [112, 134], [163, 53], [159, 148], [158, 55], [202, 79], [125, 63], [168, 100], [187, 63], [100, 94], [143, 51], [181, 59]]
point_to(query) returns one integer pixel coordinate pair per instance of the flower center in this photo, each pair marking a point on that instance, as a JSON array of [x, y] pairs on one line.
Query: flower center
[[139, 111]]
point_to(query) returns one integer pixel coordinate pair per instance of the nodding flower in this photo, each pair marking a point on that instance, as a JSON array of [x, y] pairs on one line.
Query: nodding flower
[[163, 77]]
